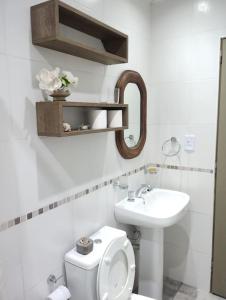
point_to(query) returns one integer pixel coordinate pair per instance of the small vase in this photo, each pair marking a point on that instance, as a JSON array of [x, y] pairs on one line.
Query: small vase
[[60, 95]]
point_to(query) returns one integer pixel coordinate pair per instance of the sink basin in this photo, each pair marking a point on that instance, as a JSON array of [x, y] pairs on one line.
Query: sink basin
[[158, 208]]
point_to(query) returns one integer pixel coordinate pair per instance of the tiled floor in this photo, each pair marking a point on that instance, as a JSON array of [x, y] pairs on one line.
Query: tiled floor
[[174, 290]]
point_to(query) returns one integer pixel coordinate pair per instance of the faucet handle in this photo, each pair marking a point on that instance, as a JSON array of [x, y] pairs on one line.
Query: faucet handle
[[146, 188], [149, 187]]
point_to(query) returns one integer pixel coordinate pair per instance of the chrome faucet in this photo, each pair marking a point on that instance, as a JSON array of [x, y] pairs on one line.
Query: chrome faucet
[[145, 188]]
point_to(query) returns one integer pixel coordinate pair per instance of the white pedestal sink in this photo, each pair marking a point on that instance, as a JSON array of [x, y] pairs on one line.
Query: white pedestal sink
[[153, 212]]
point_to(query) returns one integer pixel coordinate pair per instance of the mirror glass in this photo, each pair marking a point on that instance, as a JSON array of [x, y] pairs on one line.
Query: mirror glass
[[132, 98]]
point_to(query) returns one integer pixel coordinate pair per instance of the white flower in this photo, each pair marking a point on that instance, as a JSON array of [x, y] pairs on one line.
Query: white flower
[[70, 77], [49, 80]]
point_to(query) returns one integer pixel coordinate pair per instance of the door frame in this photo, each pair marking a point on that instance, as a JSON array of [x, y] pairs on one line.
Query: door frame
[[212, 289]]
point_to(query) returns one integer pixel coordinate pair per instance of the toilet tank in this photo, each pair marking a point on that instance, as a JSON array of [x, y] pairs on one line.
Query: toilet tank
[[81, 270], [81, 283]]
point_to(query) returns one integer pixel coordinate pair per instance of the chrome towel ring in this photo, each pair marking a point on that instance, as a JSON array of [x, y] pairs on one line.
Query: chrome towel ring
[[171, 147]]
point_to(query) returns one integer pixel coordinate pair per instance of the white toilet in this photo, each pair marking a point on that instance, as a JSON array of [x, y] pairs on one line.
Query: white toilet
[[106, 273]]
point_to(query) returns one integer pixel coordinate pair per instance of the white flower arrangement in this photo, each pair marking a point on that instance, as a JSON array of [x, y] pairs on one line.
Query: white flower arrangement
[[51, 81]]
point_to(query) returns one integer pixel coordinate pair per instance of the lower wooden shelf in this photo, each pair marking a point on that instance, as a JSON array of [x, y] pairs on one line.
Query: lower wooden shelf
[[51, 115], [81, 132]]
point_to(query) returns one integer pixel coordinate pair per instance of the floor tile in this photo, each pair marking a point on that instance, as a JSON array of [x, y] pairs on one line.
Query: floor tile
[[170, 288], [188, 290], [176, 290], [182, 296]]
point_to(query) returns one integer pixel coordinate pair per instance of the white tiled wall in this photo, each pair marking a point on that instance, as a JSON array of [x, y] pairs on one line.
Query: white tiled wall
[[176, 50], [185, 45], [36, 171]]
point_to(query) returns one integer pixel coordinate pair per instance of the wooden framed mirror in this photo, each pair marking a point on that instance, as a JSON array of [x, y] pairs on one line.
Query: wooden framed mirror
[[132, 91]]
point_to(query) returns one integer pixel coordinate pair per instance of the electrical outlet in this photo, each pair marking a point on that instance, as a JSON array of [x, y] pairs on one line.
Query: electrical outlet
[[189, 142]]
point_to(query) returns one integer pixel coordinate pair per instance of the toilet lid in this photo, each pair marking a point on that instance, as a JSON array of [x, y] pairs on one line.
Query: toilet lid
[[116, 271]]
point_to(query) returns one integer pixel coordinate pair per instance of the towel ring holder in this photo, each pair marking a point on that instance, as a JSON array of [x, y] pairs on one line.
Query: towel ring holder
[[177, 147]]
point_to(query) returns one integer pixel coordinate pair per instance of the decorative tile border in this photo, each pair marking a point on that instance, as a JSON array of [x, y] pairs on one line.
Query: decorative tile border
[[181, 168], [30, 215]]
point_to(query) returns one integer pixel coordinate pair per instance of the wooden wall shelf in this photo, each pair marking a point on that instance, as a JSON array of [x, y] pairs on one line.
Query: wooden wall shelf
[[51, 115], [46, 18]]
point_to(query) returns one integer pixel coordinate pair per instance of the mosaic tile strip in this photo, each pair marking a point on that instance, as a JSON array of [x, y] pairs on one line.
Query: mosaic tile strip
[[182, 168], [26, 217]]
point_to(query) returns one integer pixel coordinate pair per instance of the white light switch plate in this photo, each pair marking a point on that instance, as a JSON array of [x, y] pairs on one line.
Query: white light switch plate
[[189, 142]]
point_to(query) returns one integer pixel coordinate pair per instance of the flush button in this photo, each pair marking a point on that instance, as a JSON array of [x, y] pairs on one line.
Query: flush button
[[98, 241]]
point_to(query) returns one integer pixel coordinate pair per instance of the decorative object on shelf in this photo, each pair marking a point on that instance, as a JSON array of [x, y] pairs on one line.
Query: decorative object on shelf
[[67, 127], [84, 245], [114, 118], [132, 91], [60, 95], [56, 83], [84, 127], [47, 18], [49, 81], [98, 118]]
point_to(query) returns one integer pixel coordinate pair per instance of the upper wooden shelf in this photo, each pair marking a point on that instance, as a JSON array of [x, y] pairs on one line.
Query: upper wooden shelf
[[52, 114], [46, 18]]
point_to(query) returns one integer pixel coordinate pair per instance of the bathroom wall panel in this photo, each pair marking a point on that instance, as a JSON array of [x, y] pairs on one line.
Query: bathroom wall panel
[[200, 187], [186, 265], [38, 171], [193, 231], [43, 242], [10, 266], [203, 95], [205, 51], [116, 14], [2, 31], [4, 100], [212, 20], [178, 60], [185, 41], [173, 13], [175, 63]]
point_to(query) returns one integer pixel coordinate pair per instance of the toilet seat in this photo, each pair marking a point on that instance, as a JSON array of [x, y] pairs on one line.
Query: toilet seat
[[116, 271]]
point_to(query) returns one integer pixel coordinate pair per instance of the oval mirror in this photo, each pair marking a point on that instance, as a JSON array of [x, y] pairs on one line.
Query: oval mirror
[[132, 98], [132, 91]]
